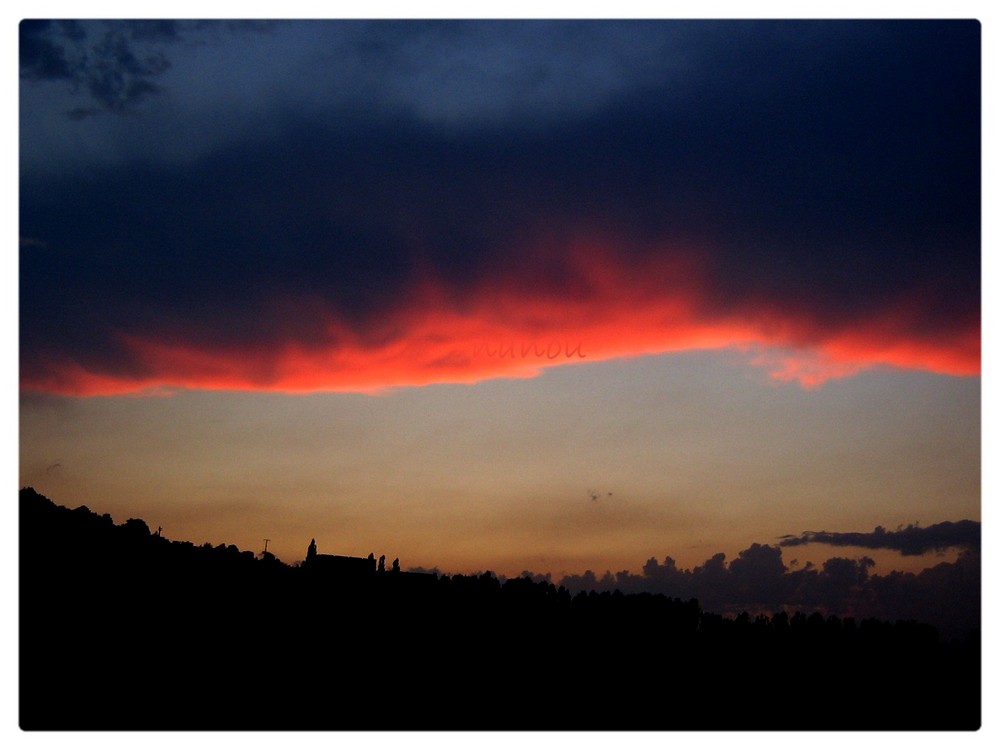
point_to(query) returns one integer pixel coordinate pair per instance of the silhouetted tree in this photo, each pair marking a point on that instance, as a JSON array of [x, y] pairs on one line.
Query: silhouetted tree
[[136, 527]]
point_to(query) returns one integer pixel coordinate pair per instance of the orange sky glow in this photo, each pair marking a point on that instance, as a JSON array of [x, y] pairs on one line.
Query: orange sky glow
[[507, 328]]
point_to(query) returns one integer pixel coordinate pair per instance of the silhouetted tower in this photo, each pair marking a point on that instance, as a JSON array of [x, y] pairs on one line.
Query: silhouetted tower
[[311, 552]]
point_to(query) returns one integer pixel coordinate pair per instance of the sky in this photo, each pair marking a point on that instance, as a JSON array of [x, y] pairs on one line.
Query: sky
[[521, 296], [295, 281]]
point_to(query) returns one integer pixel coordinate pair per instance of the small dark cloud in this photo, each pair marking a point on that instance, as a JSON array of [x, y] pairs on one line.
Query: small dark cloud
[[911, 540], [41, 56], [114, 63], [117, 75], [111, 62]]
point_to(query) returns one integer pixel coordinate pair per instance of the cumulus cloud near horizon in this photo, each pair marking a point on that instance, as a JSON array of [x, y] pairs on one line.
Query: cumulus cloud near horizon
[[946, 594]]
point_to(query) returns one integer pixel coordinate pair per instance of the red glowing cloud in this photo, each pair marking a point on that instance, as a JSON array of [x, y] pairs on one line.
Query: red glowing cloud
[[587, 305]]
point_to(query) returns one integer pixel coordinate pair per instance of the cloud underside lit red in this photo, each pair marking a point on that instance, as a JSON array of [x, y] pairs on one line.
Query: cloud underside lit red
[[516, 326]]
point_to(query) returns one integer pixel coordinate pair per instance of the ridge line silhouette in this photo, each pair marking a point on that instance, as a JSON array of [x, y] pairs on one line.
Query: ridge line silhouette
[[122, 629]]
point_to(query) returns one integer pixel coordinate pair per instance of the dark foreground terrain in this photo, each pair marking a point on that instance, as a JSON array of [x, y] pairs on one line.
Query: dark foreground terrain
[[121, 629]]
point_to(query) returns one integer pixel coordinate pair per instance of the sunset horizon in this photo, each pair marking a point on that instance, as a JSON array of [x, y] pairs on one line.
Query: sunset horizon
[[684, 307]]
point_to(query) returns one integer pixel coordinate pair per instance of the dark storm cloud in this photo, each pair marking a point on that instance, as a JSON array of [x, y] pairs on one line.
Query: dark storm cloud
[[827, 170], [911, 540]]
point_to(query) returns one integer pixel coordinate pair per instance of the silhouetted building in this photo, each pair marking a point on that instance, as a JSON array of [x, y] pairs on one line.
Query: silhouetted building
[[339, 565], [347, 568]]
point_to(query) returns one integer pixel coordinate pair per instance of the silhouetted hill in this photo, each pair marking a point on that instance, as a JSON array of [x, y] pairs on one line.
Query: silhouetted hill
[[123, 629]]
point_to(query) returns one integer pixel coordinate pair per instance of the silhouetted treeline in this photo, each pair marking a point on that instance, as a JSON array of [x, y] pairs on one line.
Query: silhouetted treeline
[[946, 595], [123, 629]]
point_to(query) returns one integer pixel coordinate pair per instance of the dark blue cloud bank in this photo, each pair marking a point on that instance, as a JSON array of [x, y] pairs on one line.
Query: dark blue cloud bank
[[224, 187], [947, 595]]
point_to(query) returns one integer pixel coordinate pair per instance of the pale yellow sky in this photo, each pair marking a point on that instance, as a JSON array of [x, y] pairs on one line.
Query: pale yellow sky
[[701, 453]]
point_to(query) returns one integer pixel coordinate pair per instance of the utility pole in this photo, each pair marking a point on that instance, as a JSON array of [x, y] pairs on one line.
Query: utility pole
[[265, 545]]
